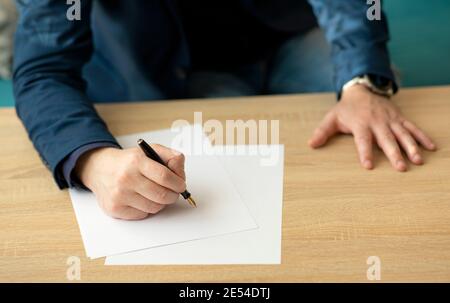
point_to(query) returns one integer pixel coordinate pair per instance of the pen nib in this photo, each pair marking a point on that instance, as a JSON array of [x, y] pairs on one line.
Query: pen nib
[[192, 202]]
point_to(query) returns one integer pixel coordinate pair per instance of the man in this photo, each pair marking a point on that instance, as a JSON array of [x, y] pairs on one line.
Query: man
[[161, 49]]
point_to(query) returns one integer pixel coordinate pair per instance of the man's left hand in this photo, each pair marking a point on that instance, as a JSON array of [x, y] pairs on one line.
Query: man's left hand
[[373, 118]]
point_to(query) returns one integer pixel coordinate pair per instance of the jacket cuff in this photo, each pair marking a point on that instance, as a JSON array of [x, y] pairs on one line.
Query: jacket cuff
[[68, 165], [373, 59], [56, 166]]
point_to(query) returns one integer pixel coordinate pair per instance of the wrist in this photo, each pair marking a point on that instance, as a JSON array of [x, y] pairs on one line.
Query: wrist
[[89, 164], [356, 90]]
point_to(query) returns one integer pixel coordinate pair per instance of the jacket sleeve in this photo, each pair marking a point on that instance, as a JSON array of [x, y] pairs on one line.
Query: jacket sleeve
[[359, 46], [50, 52]]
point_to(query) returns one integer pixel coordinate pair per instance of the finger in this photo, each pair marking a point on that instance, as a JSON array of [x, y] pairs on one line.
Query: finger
[[162, 175], [155, 192], [130, 213], [141, 203], [388, 144], [324, 131], [173, 159], [419, 135], [363, 142], [408, 143]]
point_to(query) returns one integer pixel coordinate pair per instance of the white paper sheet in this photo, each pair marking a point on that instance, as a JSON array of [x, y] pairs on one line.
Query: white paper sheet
[[261, 187], [220, 208]]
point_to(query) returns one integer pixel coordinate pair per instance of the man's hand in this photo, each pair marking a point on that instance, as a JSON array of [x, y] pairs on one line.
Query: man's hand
[[373, 118], [130, 186]]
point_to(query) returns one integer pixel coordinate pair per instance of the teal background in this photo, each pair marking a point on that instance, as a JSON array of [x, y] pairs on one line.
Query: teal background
[[420, 43], [420, 40], [6, 95]]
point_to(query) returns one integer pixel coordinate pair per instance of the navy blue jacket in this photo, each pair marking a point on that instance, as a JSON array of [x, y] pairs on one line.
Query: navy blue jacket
[[128, 50]]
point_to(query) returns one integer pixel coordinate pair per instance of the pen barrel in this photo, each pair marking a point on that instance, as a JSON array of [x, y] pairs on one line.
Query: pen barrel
[[149, 152]]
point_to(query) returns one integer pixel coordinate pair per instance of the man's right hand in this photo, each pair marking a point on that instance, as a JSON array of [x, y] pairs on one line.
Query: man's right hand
[[128, 185]]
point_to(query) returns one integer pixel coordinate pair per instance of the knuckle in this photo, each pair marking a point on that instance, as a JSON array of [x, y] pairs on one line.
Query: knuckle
[[395, 154], [182, 187], [163, 175], [373, 114], [414, 149], [176, 163], [361, 123], [173, 198], [138, 216], [382, 121], [159, 207], [157, 146], [142, 216], [363, 137], [161, 195], [117, 193], [407, 124], [388, 136], [395, 116], [135, 157], [180, 158], [332, 114], [122, 178], [403, 133], [401, 119], [155, 208], [414, 126], [378, 117], [114, 206], [320, 130]]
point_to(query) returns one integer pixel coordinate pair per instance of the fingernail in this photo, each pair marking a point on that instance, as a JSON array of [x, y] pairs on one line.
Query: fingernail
[[401, 165], [417, 158], [367, 164]]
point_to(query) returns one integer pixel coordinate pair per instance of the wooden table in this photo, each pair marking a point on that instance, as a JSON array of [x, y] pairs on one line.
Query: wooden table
[[335, 213]]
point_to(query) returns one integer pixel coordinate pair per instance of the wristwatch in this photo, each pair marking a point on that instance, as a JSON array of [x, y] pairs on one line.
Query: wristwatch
[[378, 85]]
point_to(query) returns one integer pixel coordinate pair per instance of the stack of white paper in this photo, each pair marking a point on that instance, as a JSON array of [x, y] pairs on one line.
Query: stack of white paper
[[237, 221]]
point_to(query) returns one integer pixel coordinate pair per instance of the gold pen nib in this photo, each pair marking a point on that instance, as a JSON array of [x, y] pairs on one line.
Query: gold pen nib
[[192, 202]]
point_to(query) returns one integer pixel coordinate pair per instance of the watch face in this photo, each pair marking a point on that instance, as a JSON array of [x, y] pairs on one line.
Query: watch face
[[381, 83]]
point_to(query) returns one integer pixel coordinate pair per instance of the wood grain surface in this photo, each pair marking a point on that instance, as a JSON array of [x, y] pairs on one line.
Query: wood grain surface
[[335, 214]]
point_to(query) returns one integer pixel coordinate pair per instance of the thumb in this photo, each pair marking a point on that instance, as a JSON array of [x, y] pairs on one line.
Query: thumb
[[326, 129]]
